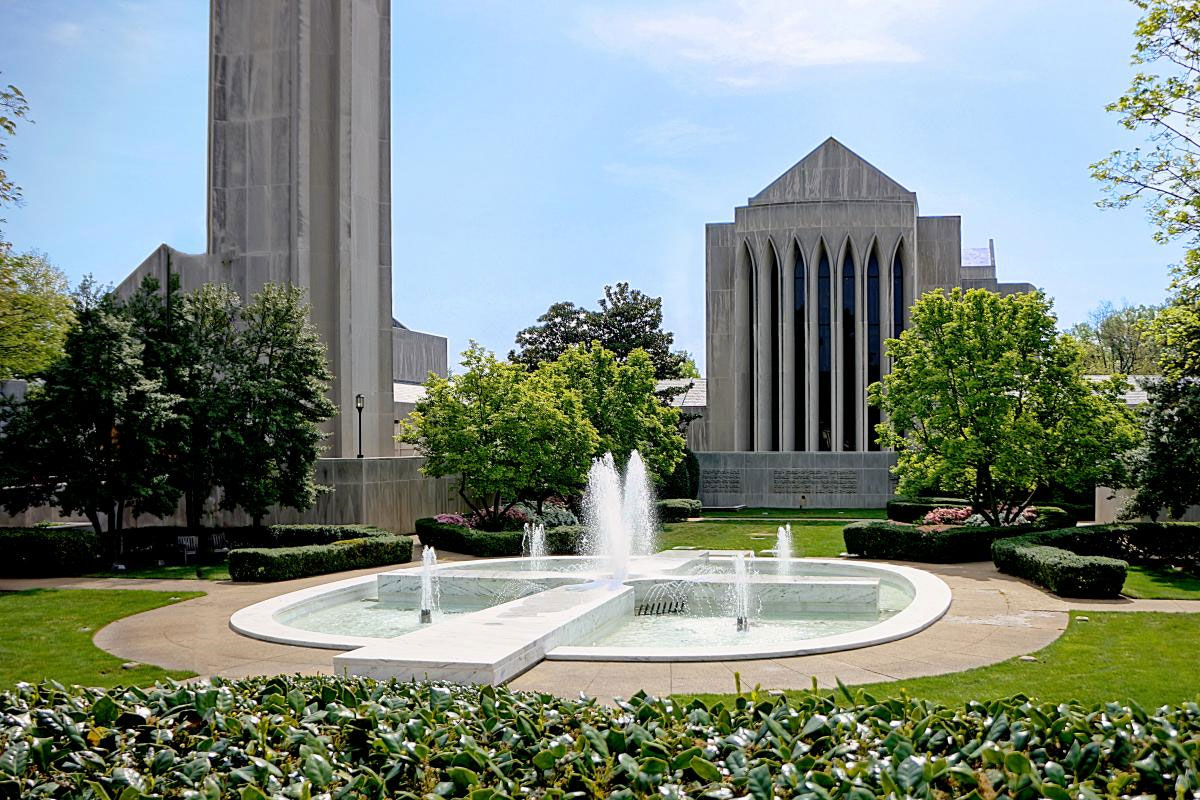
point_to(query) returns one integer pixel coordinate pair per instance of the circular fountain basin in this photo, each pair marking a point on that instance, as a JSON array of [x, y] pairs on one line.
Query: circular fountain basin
[[802, 606]]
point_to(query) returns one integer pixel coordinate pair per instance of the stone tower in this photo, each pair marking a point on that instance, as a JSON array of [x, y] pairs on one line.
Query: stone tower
[[299, 184]]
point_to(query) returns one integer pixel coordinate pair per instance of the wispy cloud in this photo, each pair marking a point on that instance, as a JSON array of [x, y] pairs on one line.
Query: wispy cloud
[[748, 44], [680, 137], [65, 33]]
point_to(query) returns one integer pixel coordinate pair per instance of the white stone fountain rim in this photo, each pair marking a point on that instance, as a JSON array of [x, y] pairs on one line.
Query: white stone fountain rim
[[930, 602]]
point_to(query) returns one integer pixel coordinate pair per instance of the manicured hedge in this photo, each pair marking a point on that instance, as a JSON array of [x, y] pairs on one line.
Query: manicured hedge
[[1091, 561], [300, 737], [891, 540], [678, 510], [41, 552], [564, 540], [286, 563]]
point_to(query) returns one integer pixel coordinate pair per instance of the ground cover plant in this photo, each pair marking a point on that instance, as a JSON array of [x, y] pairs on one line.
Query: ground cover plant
[[1146, 658], [347, 737], [48, 633]]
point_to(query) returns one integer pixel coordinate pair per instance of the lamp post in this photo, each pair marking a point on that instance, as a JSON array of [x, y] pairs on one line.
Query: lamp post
[[359, 403]]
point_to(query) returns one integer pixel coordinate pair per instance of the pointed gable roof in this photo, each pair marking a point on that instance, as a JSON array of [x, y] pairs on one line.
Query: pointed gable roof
[[831, 172]]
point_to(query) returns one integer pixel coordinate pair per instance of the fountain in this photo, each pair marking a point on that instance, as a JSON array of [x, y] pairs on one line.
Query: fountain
[[603, 504], [783, 550], [534, 543], [429, 593], [637, 507], [741, 592]]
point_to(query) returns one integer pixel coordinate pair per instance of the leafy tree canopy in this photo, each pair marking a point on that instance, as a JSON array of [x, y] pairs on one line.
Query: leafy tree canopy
[[986, 399], [619, 399], [1163, 102], [1163, 470], [93, 438], [35, 314], [626, 320], [1118, 340], [506, 433], [13, 108]]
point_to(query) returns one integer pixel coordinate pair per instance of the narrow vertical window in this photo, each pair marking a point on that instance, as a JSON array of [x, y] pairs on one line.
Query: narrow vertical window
[[874, 345], [752, 352], [824, 357], [801, 342], [849, 358], [898, 303], [776, 383]]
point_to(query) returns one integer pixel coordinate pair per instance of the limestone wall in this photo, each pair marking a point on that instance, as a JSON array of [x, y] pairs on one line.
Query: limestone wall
[[796, 480]]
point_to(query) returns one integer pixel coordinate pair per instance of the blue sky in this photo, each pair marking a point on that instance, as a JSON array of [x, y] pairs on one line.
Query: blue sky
[[542, 149]]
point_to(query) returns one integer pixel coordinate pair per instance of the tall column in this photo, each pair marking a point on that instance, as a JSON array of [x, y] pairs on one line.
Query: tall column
[[743, 362], [787, 339], [765, 333], [299, 187]]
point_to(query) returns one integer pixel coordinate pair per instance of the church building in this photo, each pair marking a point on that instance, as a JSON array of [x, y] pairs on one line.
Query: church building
[[802, 289]]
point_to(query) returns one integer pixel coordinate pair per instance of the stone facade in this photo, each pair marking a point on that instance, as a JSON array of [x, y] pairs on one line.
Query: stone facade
[[796, 480], [803, 287], [299, 184]]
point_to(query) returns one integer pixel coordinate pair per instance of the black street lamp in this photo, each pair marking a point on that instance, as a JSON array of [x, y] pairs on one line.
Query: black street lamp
[[359, 403]]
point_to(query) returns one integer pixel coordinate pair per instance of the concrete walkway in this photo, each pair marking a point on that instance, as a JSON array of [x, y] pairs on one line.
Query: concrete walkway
[[992, 618]]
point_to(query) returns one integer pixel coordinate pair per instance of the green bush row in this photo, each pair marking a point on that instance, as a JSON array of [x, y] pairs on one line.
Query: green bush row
[[678, 510], [891, 540], [1092, 561], [43, 552], [563, 540], [346, 737], [287, 563], [1061, 571]]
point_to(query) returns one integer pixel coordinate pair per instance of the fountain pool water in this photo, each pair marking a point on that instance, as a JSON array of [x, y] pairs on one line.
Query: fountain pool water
[[534, 543], [429, 585], [783, 549], [486, 621]]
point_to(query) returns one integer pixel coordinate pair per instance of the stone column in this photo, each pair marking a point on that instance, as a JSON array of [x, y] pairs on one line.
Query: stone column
[[743, 372], [787, 341], [764, 422]]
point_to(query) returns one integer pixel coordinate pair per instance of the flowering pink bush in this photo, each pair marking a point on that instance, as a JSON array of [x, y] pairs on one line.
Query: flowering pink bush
[[947, 516], [453, 519], [512, 520]]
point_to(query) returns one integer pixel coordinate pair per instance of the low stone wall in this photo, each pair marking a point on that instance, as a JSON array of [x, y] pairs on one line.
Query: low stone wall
[[389, 493], [796, 480]]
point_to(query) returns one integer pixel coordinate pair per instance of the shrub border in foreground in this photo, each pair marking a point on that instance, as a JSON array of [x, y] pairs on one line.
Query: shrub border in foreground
[[287, 563]]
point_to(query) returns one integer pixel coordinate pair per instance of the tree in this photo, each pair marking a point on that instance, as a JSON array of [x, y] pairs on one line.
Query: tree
[[1118, 340], [619, 399], [92, 439], [1165, 104], [986, 399], [13, 108], [35, 314], [1163, 469], [277, 383], [626, 320], [190, 345], [505, 433]]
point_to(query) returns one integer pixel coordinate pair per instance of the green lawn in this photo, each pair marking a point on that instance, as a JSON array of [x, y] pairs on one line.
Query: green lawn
[[848, 514], [1142, 656], [1161, 584], [47, 633], [808, 538], [208, 572]]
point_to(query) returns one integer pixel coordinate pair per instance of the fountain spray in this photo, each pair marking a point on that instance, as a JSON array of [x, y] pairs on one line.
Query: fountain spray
[[428, 589]]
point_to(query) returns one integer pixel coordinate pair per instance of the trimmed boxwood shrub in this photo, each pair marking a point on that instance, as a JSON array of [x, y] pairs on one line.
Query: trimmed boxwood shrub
[[891, 540], [43, 552], [909, 509], [1092, 561], [678, 510], [1065, 573], [564, 540], [286, 563], [347, 737]]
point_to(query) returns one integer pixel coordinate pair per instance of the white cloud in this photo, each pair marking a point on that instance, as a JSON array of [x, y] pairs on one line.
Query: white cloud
[[680, 137], [65, 33], [747, 44]]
